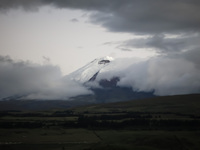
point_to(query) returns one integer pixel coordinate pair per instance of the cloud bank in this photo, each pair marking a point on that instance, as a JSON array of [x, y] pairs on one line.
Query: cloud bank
[[163, 75], [152, 16], [33, 81]]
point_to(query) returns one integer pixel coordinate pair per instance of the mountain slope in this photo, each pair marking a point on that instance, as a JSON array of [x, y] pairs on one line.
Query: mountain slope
[[89, 71], [105, 88], [179, 103], [187, 104]]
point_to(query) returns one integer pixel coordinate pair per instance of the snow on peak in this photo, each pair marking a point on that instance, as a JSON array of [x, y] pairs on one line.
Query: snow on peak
[[85, 73], [108, 58]]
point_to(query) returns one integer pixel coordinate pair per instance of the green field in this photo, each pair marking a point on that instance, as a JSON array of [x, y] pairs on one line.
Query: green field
[[169, 123]]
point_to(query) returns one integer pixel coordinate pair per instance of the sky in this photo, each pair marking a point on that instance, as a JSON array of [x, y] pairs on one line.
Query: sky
[[41, 31], [61, 36]]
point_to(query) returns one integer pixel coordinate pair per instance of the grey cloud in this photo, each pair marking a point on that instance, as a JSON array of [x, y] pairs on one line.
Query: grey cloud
[[165, 44], [152, 16], [46, 59], [27, 5], [124, 49], [112, 43], [74, 20], [192, 56], [108, 43], [34, 81], [138, 16]]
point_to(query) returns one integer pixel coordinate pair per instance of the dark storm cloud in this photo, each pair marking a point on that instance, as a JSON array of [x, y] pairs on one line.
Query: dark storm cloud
[[154, 18], [34, 81], [138, 16], [165, 44]]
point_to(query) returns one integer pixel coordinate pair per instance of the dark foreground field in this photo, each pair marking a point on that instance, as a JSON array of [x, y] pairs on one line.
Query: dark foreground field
[[83, 139], [169, 123]]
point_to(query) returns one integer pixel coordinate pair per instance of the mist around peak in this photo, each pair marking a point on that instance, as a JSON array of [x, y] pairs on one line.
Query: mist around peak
[[164, 75]]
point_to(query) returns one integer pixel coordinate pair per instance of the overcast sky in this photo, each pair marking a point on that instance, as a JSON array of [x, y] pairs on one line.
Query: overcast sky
[[66, 33], [70, 33]]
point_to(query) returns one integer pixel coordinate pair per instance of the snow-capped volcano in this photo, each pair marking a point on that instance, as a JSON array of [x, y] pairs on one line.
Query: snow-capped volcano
[[102, 76], [91, 70], [102, 80]]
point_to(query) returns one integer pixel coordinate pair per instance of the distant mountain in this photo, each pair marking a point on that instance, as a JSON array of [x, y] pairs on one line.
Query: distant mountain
[[105, 90]]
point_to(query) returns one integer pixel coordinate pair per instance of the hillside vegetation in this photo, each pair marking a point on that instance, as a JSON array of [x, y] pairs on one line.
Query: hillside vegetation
[[178, 103]]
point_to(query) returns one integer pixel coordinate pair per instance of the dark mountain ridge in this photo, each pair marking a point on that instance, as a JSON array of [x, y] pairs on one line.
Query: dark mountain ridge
[[187, 103]]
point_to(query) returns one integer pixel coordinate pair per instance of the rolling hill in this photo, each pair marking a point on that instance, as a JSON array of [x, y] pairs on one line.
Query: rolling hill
[[178, 103]]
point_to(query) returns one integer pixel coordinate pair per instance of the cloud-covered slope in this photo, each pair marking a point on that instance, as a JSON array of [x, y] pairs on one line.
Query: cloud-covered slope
[[163, 75], [27, 80]]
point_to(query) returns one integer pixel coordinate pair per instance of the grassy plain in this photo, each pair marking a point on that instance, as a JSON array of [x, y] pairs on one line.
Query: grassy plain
[[82, 139], [167, 123]]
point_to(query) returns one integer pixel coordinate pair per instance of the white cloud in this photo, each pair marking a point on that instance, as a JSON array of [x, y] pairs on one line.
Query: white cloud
[[164, 75], [34, 81]]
